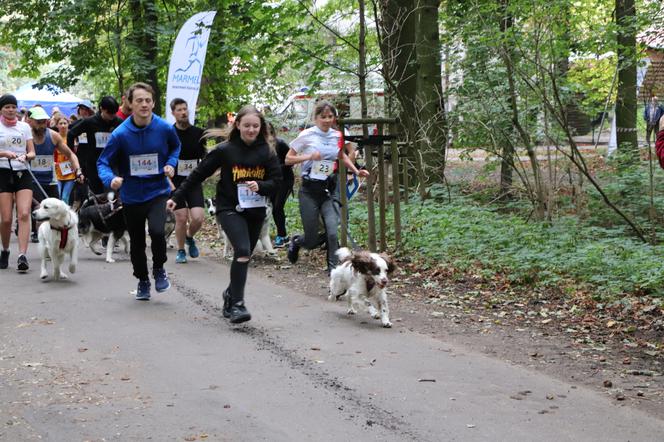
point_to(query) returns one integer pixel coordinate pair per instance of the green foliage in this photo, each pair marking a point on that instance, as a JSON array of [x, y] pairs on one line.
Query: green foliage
[[479, 239], [591, 79]]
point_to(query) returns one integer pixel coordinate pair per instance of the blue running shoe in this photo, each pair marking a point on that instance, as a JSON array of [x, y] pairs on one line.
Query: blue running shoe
[[281, 241], [143, 290], [161, 281], [181, 257], [193, 250]]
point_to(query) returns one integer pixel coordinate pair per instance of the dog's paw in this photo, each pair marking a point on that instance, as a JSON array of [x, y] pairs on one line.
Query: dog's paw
[[351, 311], [43, 275], [96, 252], [63, 276], [72, 268], [110, 260], [387, 324]]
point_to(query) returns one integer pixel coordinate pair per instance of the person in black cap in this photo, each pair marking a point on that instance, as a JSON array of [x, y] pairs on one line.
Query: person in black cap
[[93, 133], [16, 149]]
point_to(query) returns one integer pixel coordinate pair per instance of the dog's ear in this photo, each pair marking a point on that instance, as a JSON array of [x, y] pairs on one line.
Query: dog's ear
[[391, 265], [362, 262]]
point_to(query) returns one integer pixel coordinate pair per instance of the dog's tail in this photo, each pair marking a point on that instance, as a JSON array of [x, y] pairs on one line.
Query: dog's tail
[[344, 254]]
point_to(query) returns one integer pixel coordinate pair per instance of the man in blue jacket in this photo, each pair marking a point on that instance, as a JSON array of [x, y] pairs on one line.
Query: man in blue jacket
[[652, 114], [144, 150]]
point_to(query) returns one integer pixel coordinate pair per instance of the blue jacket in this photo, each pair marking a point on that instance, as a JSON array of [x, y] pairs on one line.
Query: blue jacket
[[128, 140], [659, 110]]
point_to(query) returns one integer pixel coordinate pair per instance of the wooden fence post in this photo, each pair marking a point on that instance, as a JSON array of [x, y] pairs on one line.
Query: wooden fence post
[[396, 190]]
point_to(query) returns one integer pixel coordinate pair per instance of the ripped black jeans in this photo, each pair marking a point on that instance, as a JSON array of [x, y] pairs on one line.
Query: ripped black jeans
[[242, 230]]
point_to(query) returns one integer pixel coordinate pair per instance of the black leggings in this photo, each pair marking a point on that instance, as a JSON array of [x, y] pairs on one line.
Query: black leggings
[[278, 203], [242, 230], [154, 211]]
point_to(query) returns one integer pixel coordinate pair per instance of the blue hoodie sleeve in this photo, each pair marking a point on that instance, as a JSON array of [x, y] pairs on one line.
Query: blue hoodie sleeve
[[107, 157], [174, 147]]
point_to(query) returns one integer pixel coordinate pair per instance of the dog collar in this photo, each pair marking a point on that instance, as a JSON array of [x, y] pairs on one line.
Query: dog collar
[[64, 235]]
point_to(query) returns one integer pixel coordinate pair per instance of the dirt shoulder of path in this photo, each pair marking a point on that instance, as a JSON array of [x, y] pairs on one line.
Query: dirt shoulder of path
[[614, 349]]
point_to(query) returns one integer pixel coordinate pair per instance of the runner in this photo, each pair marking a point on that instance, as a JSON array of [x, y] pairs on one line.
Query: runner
[[16, 148], [144, 150], [285, 189], [125, 109], [192, 151], [319, 148], [250, 173], [93, 133], [65, 178]]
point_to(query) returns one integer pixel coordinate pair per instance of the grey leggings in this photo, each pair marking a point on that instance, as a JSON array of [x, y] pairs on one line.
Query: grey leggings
[[315, 203]]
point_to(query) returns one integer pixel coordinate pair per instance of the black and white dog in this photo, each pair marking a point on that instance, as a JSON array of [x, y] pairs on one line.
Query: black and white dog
[[264, 244], [363, 276], [101, 215]]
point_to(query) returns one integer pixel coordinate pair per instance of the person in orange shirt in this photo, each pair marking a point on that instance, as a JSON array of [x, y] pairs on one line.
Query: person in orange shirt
[[64, 171]]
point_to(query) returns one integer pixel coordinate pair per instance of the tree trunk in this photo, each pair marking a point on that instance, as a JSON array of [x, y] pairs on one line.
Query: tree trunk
[[144, 37], [626, 100], [431, 118], [507, 161]]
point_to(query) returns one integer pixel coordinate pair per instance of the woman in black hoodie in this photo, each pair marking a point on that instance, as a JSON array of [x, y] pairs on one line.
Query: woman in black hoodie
[[250, 174]]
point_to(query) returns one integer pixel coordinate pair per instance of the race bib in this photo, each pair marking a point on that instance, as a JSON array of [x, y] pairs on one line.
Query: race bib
[[42, 163], [185, 167], [101, 139], [321, 169], [65, 167], [147, 164], [15, 141], [249, 199], [83, 138]]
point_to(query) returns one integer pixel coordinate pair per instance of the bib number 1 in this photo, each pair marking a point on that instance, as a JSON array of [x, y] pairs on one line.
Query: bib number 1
[[249, 199], [147, 164]]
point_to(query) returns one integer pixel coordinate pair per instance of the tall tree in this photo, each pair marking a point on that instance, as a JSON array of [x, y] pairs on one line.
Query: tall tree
[[432, 139], [626, 101], [144, 36]]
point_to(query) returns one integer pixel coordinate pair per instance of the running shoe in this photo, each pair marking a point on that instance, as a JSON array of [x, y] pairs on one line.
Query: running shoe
[[239, 313], [281, 241], [161, 281], [293, 250], [181, 257], [193, 250], [4, 259], [22, 264], [143, 290]]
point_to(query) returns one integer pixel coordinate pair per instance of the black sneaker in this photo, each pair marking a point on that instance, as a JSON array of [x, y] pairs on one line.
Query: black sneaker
[[239, 313], [226, 310], [293, 250], [4, 259], [22, 264]]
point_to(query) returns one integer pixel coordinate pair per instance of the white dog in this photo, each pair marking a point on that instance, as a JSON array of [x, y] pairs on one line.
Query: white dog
[[58, 236], [364, 277], [263, 245]]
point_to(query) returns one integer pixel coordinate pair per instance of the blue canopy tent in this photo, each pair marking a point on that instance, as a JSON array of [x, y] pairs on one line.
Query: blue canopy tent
[[49, 97]]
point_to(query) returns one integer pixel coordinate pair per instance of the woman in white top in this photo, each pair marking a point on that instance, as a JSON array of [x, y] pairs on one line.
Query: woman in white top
[[16, 149], [318, 149]]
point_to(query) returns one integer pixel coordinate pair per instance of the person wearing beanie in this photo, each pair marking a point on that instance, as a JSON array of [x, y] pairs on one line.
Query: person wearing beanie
[[16, 149]]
